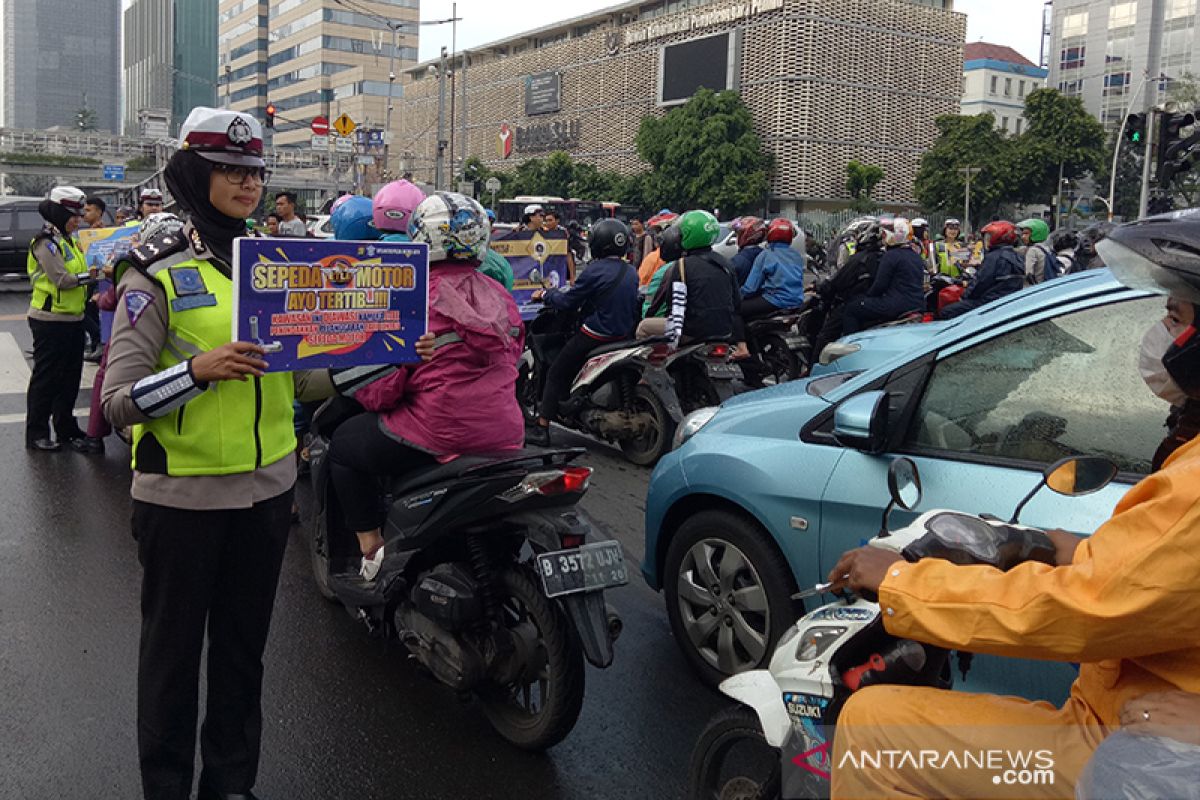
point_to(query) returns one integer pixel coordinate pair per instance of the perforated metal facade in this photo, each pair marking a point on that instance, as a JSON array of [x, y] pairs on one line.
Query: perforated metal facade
[[826, 81]]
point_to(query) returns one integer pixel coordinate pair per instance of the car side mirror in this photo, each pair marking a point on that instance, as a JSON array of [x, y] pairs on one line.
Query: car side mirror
[[860, 422]]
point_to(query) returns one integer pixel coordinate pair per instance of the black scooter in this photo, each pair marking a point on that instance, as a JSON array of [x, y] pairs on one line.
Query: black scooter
[[493, 579]]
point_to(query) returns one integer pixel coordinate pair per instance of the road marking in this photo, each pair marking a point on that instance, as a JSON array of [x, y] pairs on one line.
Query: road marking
[[13, 317], [14, 372], [9, 419]]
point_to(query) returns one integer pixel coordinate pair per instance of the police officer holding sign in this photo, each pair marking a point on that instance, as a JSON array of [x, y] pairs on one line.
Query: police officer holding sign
[[213, 468], [59, 277]]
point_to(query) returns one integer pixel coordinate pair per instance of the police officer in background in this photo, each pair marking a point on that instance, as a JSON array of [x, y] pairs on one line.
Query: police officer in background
[[150, 201], [213, 468], [59, 277]]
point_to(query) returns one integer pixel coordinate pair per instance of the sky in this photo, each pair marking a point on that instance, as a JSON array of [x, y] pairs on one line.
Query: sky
[[1016, 23]]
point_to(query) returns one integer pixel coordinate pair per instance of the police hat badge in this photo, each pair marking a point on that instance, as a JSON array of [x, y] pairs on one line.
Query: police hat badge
[[239, 132]]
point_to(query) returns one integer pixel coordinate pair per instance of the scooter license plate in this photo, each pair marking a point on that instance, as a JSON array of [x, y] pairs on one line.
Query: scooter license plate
[[722, 370], [584, 569]]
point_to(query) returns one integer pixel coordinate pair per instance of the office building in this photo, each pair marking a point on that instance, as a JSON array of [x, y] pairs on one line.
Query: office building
[[170, 59], [996, 79], [1102, 49], [826, 82], [314, 58], [60, 57]]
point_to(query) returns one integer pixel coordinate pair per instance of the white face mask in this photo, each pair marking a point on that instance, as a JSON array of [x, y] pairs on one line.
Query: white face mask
[[1155, 344]]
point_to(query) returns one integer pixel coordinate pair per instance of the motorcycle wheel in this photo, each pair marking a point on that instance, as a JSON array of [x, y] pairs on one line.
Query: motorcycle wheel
[[779, 359], [732, 760], [527, 396], [650, 447], [320, 563], [538, 711]]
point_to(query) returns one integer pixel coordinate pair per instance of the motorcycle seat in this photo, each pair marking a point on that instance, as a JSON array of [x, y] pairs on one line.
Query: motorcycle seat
[[411, 482], [612, 347]]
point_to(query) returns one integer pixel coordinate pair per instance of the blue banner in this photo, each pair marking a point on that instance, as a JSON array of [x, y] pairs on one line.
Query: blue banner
[[527, 251], [325, 303]]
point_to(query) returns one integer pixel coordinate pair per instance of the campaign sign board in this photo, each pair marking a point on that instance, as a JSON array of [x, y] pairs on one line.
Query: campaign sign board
[[528, 251], [101, 247], [323, 303]]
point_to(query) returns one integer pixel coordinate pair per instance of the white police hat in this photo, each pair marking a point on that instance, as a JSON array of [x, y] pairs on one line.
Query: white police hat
[[533, 208], [223, 136]]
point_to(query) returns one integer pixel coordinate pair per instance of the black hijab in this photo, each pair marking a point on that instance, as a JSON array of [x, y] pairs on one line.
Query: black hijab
[[188, 175], [55, 214]]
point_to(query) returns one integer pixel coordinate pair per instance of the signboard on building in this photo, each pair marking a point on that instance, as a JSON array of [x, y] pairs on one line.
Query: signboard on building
[[504, 141], [686, 23], [547, 136], [543, 93]]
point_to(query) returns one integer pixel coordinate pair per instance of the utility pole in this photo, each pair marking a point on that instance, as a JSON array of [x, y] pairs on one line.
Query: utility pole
[[968, 172], [441, 123], [387, 120], [1112, 180], [1153, 61], [453, 55], [1058, 197], [1152, 123], [466, 144]]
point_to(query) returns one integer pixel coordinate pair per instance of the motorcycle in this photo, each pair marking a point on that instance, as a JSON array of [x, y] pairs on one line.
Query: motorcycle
[[702, 373], [789, 711], [493, 579], [622, 394], [778, 345]]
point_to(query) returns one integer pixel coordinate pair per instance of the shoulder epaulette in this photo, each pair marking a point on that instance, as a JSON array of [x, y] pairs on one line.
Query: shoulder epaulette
[[147, 255]]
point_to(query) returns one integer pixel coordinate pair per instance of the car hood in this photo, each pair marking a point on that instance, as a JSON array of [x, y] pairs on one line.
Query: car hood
[[776, 412]]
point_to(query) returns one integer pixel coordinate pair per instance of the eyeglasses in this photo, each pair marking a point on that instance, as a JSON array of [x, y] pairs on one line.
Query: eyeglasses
[[237, 173]]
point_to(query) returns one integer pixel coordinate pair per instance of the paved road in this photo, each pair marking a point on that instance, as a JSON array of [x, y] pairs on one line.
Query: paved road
[[346, 717]]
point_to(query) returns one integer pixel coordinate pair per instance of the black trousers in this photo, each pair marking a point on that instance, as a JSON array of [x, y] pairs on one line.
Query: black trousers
[[54, 384], [213, 571], [359, 455], [958, 309], [757, 306], [564, 369]]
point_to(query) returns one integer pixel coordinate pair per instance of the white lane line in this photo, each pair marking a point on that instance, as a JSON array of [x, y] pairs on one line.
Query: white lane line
[[14, 372], [9, 419]]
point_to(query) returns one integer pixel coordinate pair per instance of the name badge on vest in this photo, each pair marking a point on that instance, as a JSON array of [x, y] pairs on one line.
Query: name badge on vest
[[190, 289]]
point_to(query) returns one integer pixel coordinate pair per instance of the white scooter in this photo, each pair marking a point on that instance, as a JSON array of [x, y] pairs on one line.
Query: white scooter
[[787, 713]]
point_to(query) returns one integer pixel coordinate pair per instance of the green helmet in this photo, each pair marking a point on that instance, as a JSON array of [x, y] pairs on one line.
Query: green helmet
[[700, 229], [1039, 231]]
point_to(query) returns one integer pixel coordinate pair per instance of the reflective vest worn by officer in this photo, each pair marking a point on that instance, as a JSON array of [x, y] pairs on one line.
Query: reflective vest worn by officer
[[225, 427], [46, 295]]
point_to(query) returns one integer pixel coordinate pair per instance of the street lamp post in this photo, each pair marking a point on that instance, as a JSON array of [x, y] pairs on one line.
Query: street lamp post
[[968, 172], [441, 122]]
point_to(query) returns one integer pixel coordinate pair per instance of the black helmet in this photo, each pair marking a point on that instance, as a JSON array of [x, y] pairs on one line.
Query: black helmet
[[1064, 239], [670, 247], [609, 237], [1161, 254], [869, 234]]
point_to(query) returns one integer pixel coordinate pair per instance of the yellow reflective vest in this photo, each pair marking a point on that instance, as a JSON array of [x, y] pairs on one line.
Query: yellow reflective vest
[[48, 297]]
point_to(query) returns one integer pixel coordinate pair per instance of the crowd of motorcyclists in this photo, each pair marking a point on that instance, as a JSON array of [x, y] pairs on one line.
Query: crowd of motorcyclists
[[661, 282]]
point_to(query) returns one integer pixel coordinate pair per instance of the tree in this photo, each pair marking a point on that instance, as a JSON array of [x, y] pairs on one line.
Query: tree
[[861, 180], [1128, 186], [704, 154], [557, 175], [1061, 139], [86, 119], [965, 141]]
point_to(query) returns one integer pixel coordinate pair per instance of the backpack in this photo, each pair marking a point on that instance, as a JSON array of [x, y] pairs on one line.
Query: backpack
[[1051, 266]]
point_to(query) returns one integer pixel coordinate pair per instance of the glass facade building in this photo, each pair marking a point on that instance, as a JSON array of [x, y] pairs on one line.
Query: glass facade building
[[59, 56], [170, 58]]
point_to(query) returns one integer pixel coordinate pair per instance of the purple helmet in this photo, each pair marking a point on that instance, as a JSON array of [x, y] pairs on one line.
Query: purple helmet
[[393, 206]]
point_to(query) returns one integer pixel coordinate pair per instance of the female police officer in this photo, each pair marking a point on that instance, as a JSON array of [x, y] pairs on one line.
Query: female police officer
[[213, 468], [59, 275]]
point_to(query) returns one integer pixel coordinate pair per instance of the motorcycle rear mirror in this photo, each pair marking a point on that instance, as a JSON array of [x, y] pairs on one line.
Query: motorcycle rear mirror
[[904, 485], [1073, 477]]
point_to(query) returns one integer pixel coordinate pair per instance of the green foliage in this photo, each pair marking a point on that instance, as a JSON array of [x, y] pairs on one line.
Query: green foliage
[[31, 185], [1127, 189], [1184, 90], [141, 164], [1059, 131], [49, 160], [970, 141], [861, 180], [704, 154], [86, 119]]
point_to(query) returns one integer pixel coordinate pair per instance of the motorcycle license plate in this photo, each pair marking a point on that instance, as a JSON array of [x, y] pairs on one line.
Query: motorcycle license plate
[[719, 370], [584, 569]]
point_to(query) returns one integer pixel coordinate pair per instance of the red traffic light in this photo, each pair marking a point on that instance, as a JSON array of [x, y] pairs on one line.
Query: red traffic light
[[270, 109]]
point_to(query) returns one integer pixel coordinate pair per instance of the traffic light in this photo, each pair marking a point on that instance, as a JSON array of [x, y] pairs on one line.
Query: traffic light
[[1135, 128], [1177, 139], [271, 115]]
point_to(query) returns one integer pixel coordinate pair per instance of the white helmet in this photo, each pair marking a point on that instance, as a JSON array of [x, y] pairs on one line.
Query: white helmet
[[69, 197], [920, 222], [158, 224], [897, 231], [453, 225]]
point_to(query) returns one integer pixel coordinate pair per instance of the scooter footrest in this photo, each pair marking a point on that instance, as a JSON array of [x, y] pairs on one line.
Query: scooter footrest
[[352, 590]]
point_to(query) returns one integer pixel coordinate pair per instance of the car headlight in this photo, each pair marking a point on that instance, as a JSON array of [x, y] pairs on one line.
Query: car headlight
[[692, 423], [835, 350]]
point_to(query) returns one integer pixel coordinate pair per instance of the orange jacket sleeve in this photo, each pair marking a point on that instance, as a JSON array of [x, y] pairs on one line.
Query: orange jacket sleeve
[[1131, 590]]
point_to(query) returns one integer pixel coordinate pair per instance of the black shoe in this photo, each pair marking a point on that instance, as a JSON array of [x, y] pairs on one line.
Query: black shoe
[[45, 445], [92, 356], [211, 794], [88, 445], [538, 436]]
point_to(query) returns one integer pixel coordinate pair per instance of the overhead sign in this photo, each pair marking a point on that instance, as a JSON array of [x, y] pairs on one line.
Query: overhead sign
[[316, 304], [344, 125], [548, 136], [320, 143], [543, 93], [114, 172], [320, 126]]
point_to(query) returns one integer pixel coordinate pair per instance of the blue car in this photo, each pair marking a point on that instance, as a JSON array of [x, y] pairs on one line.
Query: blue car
[[761, 497]]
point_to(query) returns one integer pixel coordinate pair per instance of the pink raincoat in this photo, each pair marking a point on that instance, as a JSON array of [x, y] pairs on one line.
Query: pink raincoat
[[464, 400]]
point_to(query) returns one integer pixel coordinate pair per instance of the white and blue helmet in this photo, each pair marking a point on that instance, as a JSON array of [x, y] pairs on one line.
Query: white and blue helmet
[[453, 225]]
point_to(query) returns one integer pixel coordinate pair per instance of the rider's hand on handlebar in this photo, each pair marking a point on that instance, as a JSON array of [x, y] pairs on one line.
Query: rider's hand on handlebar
[[862, 569], [425, 347]]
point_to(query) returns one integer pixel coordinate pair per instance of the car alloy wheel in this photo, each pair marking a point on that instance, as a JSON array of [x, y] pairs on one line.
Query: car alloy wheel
[[723, 606]]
